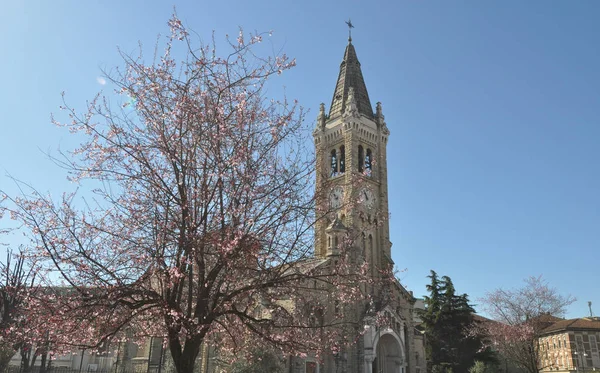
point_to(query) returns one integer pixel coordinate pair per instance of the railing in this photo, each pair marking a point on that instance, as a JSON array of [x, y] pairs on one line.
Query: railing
[[139, 369]]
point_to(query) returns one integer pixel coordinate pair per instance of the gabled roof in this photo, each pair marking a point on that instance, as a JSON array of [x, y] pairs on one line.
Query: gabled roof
[[336, 225], [586, 323], [303, 266], [350, 76], [544, 321], [547, 318]]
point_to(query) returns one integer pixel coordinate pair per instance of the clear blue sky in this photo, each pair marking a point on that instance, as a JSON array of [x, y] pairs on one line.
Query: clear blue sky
[[493, 107]]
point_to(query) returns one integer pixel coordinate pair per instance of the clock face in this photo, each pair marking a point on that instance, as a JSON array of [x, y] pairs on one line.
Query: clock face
[[336, 197], [367, 198]]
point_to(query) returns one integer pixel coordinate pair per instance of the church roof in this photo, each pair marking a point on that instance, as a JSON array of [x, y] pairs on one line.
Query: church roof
[[350, 76]]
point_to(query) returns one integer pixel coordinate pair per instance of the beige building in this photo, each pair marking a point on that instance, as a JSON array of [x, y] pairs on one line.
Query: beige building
[[571, 346]]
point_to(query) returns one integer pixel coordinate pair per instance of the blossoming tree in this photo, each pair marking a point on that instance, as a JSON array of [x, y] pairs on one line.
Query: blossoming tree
[[22, 325], [520, 315], [200, 225], [14, 282]]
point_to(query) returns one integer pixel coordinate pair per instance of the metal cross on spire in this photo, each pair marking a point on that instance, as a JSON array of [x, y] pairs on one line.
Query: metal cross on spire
[[350, 27]]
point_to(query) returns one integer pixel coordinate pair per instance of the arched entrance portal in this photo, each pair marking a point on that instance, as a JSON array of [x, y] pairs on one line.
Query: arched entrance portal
[[388, 355]]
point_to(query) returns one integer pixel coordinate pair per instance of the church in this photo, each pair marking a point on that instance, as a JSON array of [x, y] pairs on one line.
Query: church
[[352, 189], [352, 192], [351, 179]]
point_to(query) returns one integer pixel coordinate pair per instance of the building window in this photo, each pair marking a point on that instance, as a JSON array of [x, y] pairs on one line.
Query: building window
[[579, 343], [581, 352], [368, 162], [594, 351], [593, 345], [342, 159], [364, 246], [334, 167], [361, 158]]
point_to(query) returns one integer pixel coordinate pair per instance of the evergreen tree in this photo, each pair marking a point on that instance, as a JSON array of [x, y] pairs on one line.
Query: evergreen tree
[[447, 319], [430, 316]]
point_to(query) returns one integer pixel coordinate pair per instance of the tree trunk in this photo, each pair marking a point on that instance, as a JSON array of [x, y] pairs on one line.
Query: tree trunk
[[43, 362], [25, 352], [186, 360]]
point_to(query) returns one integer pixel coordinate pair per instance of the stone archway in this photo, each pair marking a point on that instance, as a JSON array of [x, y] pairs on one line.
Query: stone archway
[[388, 355]]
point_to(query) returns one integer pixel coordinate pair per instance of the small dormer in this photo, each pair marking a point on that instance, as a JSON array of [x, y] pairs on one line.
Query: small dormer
[[335, 232]]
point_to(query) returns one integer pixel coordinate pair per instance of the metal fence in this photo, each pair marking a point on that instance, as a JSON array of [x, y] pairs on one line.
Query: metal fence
[[140, 369]]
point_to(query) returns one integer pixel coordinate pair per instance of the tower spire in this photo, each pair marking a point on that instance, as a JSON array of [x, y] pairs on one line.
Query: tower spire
[[350, 76]]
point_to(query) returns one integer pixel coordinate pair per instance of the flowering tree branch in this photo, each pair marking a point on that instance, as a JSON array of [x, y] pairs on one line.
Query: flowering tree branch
[[200, 229]]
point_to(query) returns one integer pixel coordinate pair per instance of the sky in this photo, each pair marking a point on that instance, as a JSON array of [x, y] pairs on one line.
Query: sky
[[493, 108]]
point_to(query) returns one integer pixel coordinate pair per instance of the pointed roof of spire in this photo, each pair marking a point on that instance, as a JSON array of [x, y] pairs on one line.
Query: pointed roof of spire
[[350, 76]]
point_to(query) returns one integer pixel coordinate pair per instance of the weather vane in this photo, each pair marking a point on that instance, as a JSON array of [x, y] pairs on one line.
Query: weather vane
[[350, 27]]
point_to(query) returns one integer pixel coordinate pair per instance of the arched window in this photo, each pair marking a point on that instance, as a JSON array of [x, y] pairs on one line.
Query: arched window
[[334, 167], [371, 255], [364, 241], [361, 158], [342, 159], [368, 162]]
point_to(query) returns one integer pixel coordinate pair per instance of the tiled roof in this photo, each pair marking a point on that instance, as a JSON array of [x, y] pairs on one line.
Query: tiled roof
[[545, 321], [586, 323], [350, 76], [548, 318]]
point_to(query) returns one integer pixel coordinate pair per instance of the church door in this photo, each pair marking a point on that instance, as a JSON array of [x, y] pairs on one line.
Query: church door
[[388, 355]]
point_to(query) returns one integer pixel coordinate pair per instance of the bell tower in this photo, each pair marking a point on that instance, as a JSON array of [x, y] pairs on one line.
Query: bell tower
[[351, 161]]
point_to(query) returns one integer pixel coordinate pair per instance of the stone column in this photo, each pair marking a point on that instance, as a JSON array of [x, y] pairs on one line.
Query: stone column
[[369, 364]]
